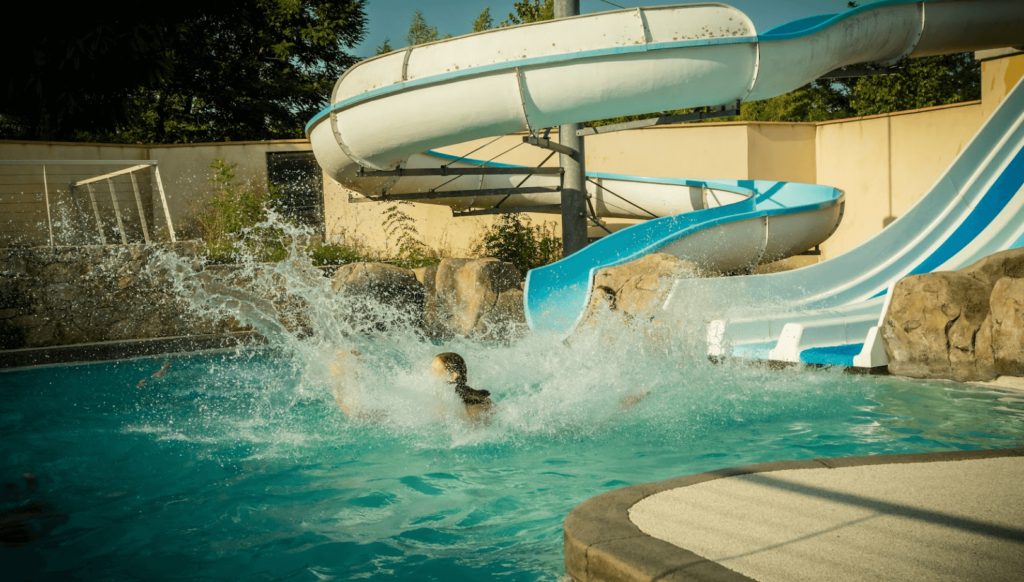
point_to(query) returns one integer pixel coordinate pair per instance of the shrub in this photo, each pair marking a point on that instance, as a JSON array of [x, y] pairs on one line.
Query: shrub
[[513, 239], [234, 220], [334, 254], [405, 246]]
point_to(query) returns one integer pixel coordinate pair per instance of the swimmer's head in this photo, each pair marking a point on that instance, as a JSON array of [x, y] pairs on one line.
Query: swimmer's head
[[450, 366]]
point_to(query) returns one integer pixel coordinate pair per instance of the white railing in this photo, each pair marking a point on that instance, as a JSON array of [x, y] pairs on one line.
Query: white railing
[[13, 186]]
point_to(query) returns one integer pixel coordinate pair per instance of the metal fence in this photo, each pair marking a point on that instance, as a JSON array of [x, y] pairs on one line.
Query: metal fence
[[73, 202]]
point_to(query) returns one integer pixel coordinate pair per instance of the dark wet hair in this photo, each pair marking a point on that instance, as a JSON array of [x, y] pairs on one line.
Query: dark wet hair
[[453, 363]]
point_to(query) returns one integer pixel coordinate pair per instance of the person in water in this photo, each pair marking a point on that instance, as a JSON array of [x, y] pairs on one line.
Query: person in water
[[452, 368]]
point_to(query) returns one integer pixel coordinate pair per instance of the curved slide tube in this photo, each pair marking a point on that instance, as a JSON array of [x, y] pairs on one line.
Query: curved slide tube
[[829, 313], [775, 218], [387, 111]]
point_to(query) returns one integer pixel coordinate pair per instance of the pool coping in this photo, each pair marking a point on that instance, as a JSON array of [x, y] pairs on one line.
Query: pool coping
[[603, 544], [121, 350]]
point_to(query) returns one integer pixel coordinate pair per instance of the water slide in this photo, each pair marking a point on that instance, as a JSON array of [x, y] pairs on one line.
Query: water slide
[[389, 112], [829, 313]]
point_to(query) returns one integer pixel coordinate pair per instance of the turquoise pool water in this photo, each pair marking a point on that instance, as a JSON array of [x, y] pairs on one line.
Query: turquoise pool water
[[240, 466]]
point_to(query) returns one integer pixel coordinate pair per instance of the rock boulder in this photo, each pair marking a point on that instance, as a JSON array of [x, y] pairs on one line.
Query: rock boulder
[[474, 298], [964, 325], [1007, 321], [635, 288], [931, 327], [380, 294]]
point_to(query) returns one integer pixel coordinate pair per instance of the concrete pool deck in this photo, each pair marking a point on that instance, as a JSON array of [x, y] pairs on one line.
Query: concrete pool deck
[[932, 516]]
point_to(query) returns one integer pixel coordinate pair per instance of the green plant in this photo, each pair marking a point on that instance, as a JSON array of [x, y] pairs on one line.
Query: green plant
[[513, 239], [334, 254], [404, 245], [233, 220]]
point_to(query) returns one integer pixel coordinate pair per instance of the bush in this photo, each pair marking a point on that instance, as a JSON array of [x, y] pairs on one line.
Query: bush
[[334, 254], [514, 240], [233, 220], [404, 244]]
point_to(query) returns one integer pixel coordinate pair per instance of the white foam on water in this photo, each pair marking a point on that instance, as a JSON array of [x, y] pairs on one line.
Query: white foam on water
[[542, 386]]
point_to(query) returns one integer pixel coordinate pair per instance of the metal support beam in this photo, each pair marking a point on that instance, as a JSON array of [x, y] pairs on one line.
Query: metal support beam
[[142, 211], [110, 175], [117, 212], [712, 113], [46, 193], [574, 180], [548, 145], [96, 211], [465, 193], [163, 200], [550, 208], [446, 171]]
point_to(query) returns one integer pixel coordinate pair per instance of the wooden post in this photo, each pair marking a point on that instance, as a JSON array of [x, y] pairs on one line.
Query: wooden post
[[96, 211], [117, 212], [142, 212], [46, 194], [574, 180]]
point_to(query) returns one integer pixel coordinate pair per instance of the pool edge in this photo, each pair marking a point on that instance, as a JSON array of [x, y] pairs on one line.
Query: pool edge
[[602, 543]]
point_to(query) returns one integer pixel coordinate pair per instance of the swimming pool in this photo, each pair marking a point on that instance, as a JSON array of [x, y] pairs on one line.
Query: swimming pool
[[240, 466]]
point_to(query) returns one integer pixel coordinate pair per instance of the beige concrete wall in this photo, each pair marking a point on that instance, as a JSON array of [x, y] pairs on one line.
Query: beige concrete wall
[[781, 151], [24, 218], [185, 172], [886, 163], [997, 78]]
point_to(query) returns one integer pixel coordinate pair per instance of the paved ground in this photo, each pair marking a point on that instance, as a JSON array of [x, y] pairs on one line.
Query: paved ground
[[941, 516], [960, 520]]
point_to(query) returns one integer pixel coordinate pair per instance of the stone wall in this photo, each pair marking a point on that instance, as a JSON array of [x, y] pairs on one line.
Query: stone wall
[[52, 296], [965, 325]]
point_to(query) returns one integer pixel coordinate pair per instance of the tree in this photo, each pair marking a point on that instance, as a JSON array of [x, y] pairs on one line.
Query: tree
[[384, 47], [919, 83], [530, 11], [251, 69], [926, 82], [484, 21], [419, 31]]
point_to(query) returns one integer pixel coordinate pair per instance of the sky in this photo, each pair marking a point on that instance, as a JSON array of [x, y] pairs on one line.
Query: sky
[[390, 18]]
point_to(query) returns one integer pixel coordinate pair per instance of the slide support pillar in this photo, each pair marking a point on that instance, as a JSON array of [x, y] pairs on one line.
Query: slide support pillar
[[574, 180]]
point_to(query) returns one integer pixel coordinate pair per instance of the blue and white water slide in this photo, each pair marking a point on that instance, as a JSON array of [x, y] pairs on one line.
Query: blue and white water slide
[[388, 112]]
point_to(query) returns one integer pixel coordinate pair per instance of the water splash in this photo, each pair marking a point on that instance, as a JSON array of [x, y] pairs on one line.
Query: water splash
[[542, 386]]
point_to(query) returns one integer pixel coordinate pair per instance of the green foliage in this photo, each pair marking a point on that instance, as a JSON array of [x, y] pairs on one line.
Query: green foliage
[[334, 254], [384, 47], [404, 245], [202, 71], [512, 239], [530, 11], [232, 221], [920, 83], [419, 31], [926, 82], [484, 21]]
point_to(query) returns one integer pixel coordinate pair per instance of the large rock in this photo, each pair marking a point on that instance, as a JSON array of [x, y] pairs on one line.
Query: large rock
[[932, 324], [1007, 321], [474, 298], [997, 266], [964, 325], [381, 295], [636, 288]]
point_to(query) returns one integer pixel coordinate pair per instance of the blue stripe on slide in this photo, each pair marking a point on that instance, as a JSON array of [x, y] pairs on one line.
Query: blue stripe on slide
[[995, 200], [832, 355]]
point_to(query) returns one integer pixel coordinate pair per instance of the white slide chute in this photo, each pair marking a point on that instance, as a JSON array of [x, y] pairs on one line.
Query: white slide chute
[[387, 114]]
